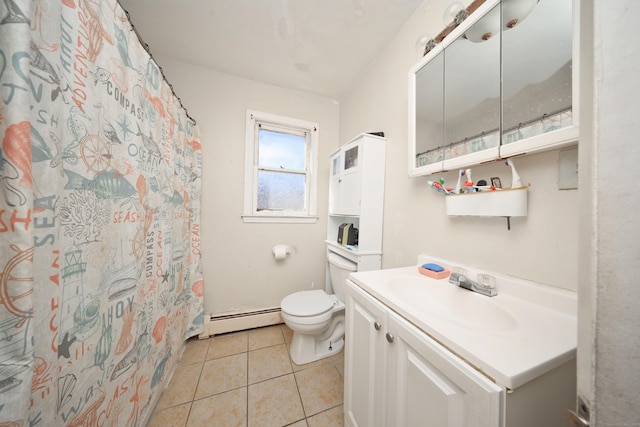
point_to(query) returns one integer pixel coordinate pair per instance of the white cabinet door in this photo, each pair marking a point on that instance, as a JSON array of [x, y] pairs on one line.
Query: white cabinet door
[[429, 386], [345, 183], [351, 180], [365, 360], [334, 182]]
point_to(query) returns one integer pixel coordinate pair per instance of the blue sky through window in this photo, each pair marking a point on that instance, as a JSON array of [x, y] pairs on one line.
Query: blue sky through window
[[281, 150]]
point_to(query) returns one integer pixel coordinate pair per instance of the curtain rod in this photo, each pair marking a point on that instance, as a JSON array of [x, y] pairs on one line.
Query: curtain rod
[[148, 50]]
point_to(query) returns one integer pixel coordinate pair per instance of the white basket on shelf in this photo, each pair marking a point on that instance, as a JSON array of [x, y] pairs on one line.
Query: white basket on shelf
[[505, 202]]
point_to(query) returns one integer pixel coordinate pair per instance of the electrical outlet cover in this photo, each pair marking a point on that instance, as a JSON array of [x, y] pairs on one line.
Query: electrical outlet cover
[[568, 169]]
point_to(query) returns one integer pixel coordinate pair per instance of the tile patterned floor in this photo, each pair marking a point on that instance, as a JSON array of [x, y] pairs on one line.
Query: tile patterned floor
[[247, 379]]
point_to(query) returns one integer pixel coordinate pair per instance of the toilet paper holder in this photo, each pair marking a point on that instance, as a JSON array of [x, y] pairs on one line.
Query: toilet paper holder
[[280, 252]]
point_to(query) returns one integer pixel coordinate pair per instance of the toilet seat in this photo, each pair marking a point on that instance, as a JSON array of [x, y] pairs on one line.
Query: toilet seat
[[307, 303]]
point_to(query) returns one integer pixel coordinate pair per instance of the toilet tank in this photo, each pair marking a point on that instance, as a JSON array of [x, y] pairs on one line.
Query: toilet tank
[[339, 269]]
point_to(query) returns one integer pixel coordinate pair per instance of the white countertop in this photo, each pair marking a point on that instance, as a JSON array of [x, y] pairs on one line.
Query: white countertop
[[523, 332]]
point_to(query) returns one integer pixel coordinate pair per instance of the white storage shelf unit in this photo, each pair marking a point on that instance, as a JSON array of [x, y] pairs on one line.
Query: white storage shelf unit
[[356, 195]]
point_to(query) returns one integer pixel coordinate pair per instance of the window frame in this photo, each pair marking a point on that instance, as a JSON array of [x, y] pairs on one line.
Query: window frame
[[281, 123]]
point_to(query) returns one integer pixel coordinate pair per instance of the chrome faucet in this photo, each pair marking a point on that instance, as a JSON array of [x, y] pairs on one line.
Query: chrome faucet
[[486, 285]]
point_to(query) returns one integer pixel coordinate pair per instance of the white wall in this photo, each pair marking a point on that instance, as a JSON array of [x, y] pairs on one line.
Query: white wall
[[609, 295], [540, 247], [239, 269]]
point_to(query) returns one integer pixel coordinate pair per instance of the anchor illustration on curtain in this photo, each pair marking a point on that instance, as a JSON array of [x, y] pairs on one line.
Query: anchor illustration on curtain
[[100, 182]]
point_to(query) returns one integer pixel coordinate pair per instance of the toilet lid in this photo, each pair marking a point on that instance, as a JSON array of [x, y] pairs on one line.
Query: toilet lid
[[306, 303]]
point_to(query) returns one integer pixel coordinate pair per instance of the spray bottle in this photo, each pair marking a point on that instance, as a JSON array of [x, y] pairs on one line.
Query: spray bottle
[[459, 183], [515, 178]]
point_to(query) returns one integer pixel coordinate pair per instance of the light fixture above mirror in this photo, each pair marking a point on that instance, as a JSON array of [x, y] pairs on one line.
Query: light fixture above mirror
[[513, 13], [455, 13], [485, 28], [453, 16]]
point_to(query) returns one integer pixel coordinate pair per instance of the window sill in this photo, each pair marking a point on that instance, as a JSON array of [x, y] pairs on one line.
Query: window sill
[[280, 219]]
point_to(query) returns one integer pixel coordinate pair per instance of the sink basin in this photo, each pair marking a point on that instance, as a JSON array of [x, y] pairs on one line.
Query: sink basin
[[448, 302], [523, 332]]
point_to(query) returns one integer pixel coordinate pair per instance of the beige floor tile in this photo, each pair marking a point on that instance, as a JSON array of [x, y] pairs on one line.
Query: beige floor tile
[[182, 386], [298, 368], [216, 372], [223, 374], [274, 403], [195, 351], [228, 344], [269, 362], [338, 362], [225, 409], [171, 417], [333, 417], [321, 388], [287, 332], [265, 337]]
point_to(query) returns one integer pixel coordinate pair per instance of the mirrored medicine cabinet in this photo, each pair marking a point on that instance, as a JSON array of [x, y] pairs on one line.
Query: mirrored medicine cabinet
[[501, 83]]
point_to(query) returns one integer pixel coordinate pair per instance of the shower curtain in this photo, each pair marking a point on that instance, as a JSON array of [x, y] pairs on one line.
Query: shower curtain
[[100, 275]]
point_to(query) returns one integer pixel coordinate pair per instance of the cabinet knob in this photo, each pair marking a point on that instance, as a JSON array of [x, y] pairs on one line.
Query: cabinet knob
[[377, 326], [390, 338]]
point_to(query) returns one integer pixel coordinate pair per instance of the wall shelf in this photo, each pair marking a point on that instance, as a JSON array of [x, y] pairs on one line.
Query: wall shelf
[[507, 202]]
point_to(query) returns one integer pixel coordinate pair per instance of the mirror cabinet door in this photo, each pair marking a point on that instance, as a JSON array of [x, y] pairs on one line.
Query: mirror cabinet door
[[537, 68], [501, 84], [472, 93], [429, 115]]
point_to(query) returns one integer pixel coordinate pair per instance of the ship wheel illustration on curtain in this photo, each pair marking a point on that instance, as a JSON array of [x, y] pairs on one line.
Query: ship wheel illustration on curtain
[[95, 149], [16, 283], [95, 153]]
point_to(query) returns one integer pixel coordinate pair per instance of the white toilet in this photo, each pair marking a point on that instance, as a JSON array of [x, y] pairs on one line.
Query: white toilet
[[316, 317]]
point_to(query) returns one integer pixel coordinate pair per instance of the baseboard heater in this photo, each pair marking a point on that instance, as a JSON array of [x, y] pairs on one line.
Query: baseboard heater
[[239, 321]]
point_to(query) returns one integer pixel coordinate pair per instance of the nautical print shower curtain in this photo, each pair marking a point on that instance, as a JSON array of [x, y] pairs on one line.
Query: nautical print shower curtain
[[100, 276]]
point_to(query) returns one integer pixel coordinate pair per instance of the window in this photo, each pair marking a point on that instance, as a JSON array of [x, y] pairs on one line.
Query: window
[[280, 169]]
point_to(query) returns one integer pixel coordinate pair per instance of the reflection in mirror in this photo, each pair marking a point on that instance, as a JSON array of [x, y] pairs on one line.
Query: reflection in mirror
[[429, 112], [506, 78], [537, 69], [472, 89]]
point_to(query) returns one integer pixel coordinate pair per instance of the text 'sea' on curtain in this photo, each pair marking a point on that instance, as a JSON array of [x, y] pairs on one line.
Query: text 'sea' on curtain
[[100, 275]]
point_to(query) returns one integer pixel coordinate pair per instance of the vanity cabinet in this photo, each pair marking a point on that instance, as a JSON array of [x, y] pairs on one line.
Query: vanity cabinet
[[398, 376], [356, 196], [365, 360], [504, 82]]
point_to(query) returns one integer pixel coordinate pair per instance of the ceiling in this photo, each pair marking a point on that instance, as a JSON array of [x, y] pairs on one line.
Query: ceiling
[[315, 46]]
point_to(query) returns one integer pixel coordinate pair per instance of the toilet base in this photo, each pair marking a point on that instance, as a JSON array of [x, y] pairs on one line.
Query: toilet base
[[305, 349]]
